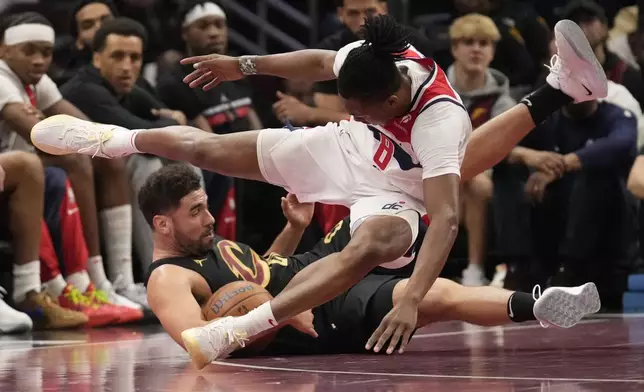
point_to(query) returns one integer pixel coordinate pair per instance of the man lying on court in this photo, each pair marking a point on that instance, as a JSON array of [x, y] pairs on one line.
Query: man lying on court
[[191, 263]]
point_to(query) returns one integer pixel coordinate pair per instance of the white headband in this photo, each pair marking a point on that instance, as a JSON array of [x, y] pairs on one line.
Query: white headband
[[29, 32], [203, 10]]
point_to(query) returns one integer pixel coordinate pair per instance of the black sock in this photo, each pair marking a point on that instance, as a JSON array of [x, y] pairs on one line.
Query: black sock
[[520, 307], [545, 101]]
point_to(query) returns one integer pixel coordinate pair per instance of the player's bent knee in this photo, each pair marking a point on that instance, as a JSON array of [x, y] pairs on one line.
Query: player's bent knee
[[380, 239], [21, 167], [29, 162]]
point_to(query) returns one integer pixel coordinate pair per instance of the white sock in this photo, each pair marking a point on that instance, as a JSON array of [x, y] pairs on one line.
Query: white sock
[[80, 280], [96, 271], [26, 277], [121, 143], [257, 320], [116, 224], [55, 286], [478, 268]]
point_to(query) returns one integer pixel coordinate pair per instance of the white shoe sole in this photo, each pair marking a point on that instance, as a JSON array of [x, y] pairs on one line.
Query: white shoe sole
[[15, 329], [565, 307], [194, 350], [587, 62]]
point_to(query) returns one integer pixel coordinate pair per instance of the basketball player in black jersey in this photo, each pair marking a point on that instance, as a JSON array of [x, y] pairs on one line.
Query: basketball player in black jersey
[[191, 263]]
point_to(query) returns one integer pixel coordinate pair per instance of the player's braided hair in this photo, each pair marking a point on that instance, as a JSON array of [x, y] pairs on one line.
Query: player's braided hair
[[369, 72], [165, 188], [12, 20]]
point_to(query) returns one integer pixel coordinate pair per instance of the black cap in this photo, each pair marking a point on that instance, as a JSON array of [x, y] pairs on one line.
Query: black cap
[[581, 10]]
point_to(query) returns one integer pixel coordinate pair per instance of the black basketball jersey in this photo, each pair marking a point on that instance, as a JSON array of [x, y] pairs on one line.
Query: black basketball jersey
[[230, 261]]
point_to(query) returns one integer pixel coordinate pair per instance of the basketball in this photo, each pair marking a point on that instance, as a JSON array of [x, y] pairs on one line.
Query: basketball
[[237, 299]]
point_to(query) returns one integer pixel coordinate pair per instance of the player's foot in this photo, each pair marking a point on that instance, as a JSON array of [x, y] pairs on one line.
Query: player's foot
[[563, 307], [473, 276], [574, 69], [71, 298], [215, 340], [11, 320], [126, 310], [134, 292], [62, 134], [46, 313]]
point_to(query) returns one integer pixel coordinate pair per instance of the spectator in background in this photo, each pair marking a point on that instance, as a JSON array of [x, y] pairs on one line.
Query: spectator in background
[[485, 94], [26, 96], [225, 109], [591, 18], [21, 213], [578, 218], [106, 91], [87, 18], [512, 57]]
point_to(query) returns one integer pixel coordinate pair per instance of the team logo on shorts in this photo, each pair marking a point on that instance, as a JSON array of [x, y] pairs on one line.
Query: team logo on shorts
[[393, 206]]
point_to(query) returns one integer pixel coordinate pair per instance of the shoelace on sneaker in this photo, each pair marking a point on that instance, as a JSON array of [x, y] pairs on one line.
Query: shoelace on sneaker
[[536, 294], [224, 339], [81, 135], [555, 65], [77, 298], [100, 296]]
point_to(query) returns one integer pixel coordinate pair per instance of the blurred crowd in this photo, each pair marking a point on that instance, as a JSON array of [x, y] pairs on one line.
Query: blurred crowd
[[562, 208]]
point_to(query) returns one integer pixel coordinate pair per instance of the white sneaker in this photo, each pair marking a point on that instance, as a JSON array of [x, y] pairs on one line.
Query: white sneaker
[[116, 299], [215, 340], [62, 134], [473, 276], [11, 320], [574, 69], [563, 307], [135, 292]]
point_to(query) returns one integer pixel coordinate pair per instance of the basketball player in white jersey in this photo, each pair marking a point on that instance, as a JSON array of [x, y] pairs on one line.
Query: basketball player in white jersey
[[407, 162]]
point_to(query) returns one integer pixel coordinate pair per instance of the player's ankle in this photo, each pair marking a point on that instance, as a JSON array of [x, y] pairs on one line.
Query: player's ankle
[[520, 307], [545, 101], [257, 320], [121, 143]]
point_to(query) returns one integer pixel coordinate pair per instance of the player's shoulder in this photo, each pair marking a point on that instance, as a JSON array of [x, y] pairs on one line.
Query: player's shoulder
[[615, 111]]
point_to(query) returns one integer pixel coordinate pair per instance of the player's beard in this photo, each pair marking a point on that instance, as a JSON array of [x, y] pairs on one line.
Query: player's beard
[[198, 247]]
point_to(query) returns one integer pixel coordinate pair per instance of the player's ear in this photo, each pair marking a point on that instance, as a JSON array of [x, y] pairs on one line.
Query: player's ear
[[392, 100], [161, 224]]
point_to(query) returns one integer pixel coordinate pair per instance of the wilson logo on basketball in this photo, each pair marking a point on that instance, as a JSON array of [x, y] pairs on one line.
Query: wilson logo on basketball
[[217, 306]]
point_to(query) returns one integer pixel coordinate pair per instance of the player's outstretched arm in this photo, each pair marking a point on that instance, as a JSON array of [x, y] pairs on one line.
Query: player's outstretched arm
[[307, 64], [441, 200], [171, 299]]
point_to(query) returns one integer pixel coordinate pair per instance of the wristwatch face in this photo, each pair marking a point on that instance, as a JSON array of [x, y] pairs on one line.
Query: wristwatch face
[[247, 66]]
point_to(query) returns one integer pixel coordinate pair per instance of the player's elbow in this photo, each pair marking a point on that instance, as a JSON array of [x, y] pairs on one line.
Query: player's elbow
[[448, 218]]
